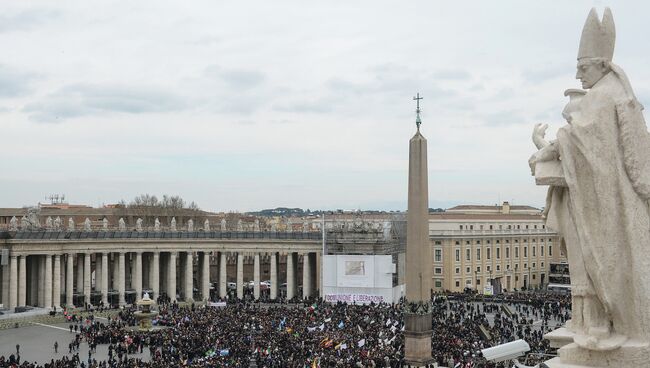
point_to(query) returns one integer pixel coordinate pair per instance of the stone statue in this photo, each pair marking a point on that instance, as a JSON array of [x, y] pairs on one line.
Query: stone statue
[[71, 224], [305, 227], [87, 224], [57, 223], [138, 224], [24, 224], [206, 225], [598, 172], [13, 224], [223, 224], [156, 225], [105, 224], [49, 224], [121, 224], [240, 226], [190, 225], [173, 224], [256, 226]]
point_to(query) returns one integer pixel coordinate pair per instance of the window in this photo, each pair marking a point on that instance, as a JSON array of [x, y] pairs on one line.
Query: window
[[497, 241], [468, 282], [526, 226], [533, 276], [478, 269], [541, 250], [517, 252], [535, 226], [438, 255], [498, 267], [507, 267], [525, 240], [467, 242], [490, 227], [438, 283], [518, 227], [468, 254], [471, 227], [478, 254], [507, 252], [488, 268], [525, 252], [461, 227], [457, 242], [457, 283], [488, 255], [437, 270], [550, 251], [457, 255], [478, 281], [438, 242], [457, 269], [498, 253], [481, 227], [478, 242], [500, 227], [534, 265], [488, 242], [534, 250], [468, 270], [542, 265], [525, 266]]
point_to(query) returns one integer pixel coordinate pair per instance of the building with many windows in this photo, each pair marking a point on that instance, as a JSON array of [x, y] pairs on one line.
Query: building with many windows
[[508, 247]]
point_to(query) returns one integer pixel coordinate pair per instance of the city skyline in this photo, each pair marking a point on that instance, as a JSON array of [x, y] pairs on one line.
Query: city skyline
[[245, 107]]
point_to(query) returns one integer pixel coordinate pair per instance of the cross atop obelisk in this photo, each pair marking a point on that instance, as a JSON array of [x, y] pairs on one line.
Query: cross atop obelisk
[[417, 111]]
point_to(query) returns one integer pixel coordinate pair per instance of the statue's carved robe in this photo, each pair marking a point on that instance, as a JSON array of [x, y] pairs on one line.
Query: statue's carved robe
[[604, 154]]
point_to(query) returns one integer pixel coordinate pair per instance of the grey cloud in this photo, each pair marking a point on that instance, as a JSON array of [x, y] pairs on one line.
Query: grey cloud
[[237, 79], [90, 99], [500, 118], [318, 106], [14, 82], [550, 72], [451, 74], [26, 19]]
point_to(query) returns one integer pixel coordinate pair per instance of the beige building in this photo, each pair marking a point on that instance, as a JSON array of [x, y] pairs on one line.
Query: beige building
[[508, 247]]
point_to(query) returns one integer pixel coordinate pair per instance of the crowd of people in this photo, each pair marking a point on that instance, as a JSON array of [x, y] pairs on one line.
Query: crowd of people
[[308, 334]]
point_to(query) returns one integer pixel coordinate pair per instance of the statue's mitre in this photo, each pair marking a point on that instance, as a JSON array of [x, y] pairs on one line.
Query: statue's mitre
[[598, 36]]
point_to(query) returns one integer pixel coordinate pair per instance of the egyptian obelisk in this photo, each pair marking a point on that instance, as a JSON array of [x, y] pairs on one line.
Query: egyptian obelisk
[[417, 313]]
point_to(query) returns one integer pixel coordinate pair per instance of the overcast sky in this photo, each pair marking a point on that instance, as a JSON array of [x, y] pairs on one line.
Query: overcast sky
[[244, 105]]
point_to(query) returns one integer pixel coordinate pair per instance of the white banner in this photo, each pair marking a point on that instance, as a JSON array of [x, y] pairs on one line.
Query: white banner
[[217, 304], [353, 298]]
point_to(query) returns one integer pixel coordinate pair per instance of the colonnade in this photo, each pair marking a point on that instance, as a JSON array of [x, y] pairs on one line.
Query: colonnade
[[109, 277]]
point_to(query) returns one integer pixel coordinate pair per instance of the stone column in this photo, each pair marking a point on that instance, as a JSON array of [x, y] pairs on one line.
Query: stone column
[[121, 281], [98, 273], [22, 281], [47, 293], [171, 277], [87, 273], [104, 284], [56, 282], [13, 282], [205, 277], [116, 272], [80, 273], [240, 276], [306, 276], [189, 274], [223, 276], [39, 271], [291, 276], [155, 274], [69, 281], [274, 276], [256, 276], [137, 283]]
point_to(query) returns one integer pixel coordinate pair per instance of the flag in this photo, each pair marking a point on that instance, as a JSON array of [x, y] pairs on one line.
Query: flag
[[361, 342], [388, 323], [341, 325], [344, 346], [224, 352], [322, 327], [311, 329], [289, 329], [359, 327], [328, 320]]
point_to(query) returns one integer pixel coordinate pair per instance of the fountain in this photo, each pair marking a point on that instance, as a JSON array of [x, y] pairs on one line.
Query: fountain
[[145, 314]]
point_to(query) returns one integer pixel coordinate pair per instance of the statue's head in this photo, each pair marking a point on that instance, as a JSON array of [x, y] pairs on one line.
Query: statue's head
[[596, 48]]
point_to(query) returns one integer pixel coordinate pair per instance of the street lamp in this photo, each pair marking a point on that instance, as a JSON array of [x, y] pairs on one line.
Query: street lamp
[[476, 280]]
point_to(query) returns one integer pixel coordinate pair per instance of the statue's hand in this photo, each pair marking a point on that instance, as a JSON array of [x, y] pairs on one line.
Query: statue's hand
[[539, 131]]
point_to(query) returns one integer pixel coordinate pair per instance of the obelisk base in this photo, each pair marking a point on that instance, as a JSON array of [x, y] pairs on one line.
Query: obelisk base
[[417, 340]]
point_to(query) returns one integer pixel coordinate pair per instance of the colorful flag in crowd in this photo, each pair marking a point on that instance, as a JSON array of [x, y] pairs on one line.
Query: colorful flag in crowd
[[341, 325], [361, 342]]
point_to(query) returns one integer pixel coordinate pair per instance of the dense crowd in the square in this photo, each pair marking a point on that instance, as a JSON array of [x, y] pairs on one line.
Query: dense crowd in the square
[[309, 334]]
